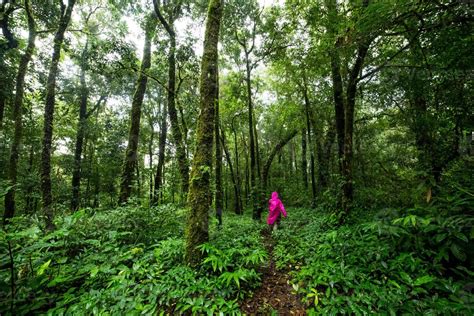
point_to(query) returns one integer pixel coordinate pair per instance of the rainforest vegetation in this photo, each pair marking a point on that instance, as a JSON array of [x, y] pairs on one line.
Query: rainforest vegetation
[[141, 141]]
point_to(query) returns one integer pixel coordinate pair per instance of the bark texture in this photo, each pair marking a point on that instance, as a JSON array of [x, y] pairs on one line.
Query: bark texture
[[218, 155], [18, 113], [46, 192], [130, 162], [199, 198]]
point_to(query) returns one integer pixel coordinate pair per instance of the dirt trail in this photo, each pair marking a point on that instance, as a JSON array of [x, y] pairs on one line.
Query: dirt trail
[[275, 294]]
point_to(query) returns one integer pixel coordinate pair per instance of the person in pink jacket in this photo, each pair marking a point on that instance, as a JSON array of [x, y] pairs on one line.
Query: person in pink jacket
[[275, 209]]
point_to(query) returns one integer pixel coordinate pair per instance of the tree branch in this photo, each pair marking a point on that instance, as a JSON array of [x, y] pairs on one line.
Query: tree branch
[[145, 74], [12, 42], [378, 68], [103, 98], [156, 6]]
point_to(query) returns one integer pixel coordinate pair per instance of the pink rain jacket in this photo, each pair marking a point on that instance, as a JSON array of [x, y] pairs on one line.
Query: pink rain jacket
[[275, 206]]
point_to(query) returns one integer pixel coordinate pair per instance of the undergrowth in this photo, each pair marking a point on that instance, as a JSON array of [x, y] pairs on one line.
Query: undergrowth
[[125, 261], [393, 261]]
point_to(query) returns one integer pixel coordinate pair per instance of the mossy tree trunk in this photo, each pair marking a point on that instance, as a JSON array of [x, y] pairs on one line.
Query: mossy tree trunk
[[130, 162], [65, 17], [218, 155], [199, 198], [17, 114]]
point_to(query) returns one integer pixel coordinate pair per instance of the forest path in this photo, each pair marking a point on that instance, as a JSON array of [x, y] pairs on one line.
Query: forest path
[[275, 293]]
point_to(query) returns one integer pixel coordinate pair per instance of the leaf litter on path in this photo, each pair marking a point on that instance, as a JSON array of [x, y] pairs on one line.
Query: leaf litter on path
[[275, 294]]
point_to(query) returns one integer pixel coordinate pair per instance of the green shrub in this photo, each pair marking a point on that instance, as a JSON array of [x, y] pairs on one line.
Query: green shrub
[[128, 260]]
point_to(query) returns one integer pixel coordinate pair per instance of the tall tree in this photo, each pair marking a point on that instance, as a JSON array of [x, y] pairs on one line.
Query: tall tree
[[173, 114], [344, 101], [233, 175], [83, 116], [307, 109], [161, 155], [130, 161], [304, 161], [218, 155], [47, 195], [81, 126], [7, 8], [17, 113], [199, 198]]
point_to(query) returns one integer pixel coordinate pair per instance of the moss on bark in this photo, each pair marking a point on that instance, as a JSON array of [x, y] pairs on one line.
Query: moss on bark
[[200, 196]]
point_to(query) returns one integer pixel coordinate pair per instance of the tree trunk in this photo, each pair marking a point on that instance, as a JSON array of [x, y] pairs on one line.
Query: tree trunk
[[96, 202], [139, 180], [199, 198], [237, 168], [253, 159], [10, 43], [81, 127], [233, 176], [275, 150], [304, 161], [131, 152], [49, 114], [161, 156], [17, 114], [307, 106], [150, 161], [2, 109], [338, 104], [337, 85], [218, 155], [351, 90], [30, 187], [175, 129], [324, 156]]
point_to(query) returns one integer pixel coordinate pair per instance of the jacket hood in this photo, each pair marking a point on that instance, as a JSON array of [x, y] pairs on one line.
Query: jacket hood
[[274, 195]]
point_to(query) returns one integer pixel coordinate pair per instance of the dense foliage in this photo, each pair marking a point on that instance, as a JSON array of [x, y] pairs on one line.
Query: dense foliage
[[126, 127], [386, 261], [129, 260]]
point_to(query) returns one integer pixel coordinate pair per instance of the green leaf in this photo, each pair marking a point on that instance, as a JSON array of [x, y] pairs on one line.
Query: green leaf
[[405, 277], [457, 252], [461, 236], [423, 280], [94, 271], [440, 237], [43, 267], [394, 283]]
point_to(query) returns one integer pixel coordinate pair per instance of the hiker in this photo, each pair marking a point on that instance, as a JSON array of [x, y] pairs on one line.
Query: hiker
[[275, 209]]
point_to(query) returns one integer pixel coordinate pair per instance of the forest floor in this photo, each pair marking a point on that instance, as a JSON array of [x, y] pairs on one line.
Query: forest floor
[[275, 294]]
